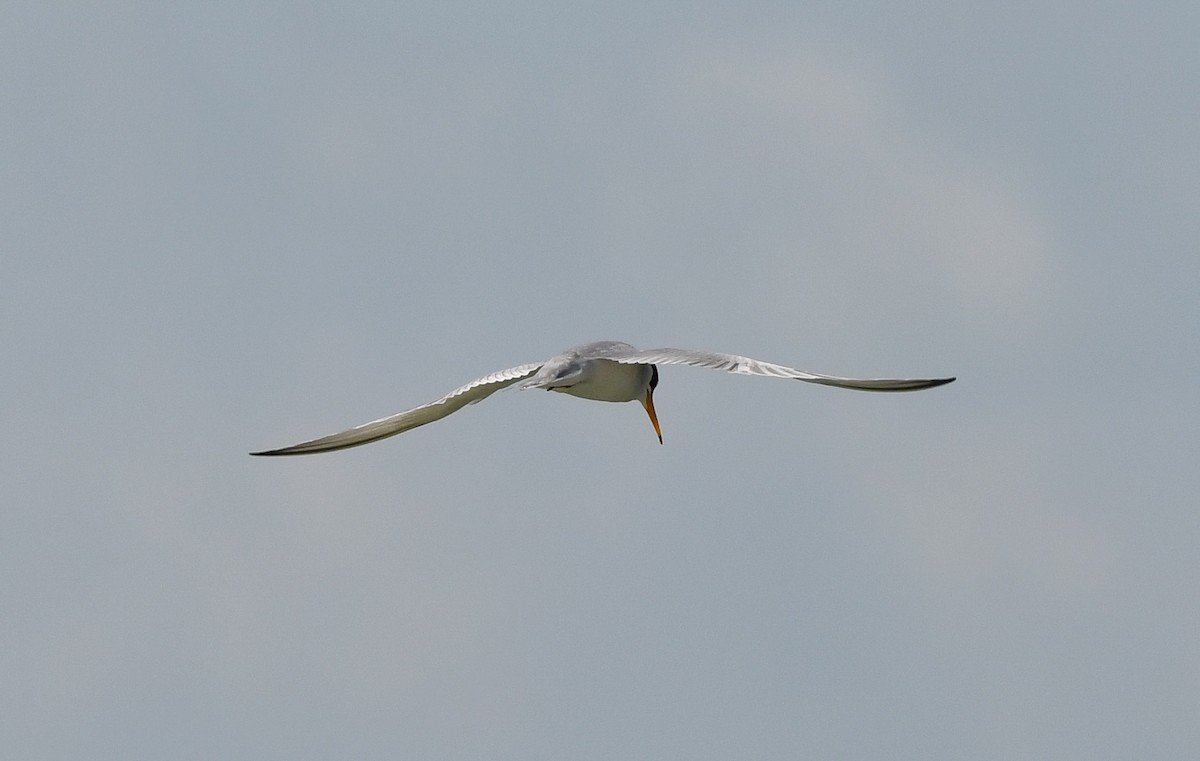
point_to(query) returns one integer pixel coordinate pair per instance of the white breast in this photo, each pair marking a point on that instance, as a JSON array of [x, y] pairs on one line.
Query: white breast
[[608, 381]]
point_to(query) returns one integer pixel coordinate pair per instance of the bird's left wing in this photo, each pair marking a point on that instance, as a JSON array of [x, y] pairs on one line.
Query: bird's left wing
[[746, 366], [478, 389]]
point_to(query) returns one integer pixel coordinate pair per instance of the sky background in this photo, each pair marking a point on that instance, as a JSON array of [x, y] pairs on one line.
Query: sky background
[[232, 226]]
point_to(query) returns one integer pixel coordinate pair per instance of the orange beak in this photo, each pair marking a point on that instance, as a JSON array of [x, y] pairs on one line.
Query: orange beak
[[648, 403]]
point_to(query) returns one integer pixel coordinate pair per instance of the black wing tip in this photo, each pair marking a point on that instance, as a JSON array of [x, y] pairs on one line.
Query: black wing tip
[[909, 385], [285, 451], [926, 384], [308, 447]]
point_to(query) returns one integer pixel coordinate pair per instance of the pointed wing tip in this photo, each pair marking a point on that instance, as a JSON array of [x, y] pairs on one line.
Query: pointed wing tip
[[887, 385], [301, 449], [926, 384], [271, 452], [295, 449]]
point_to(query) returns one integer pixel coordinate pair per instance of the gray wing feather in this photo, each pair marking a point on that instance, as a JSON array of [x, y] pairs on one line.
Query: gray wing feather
[[746, 366], [476, 390]]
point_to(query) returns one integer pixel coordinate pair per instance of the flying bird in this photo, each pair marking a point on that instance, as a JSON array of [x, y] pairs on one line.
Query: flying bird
[[607, 371]]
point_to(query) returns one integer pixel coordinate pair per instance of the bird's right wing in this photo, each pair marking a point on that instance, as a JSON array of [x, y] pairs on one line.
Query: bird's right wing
[[734, 363], [476, 390]]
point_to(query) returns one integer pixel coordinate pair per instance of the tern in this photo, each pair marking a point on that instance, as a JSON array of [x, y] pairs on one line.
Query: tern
[[607, 371]]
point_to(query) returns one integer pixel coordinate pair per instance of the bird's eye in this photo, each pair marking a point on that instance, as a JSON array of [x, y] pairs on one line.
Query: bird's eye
[[653, 377]]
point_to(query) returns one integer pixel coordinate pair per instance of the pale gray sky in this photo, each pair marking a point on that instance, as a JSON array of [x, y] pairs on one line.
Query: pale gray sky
[[230, 226]]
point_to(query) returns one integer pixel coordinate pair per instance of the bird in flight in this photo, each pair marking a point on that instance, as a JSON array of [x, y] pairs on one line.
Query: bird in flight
[[607, 371]]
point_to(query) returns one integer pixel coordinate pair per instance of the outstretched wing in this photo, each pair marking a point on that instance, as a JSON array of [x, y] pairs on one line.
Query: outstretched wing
[[476, 390], [746, 366]]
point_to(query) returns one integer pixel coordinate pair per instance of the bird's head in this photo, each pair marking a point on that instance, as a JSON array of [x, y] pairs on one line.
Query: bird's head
[[648, 400]]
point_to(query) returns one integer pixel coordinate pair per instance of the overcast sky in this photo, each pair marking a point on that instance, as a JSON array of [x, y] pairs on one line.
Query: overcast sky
[[230, 226]]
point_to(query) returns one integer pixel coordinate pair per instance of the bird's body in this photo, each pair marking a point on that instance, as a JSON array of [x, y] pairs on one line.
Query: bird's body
[[583, 372], [607, 371]]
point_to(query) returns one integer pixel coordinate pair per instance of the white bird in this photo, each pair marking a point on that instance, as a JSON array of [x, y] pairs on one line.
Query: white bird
[[608, 371]]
